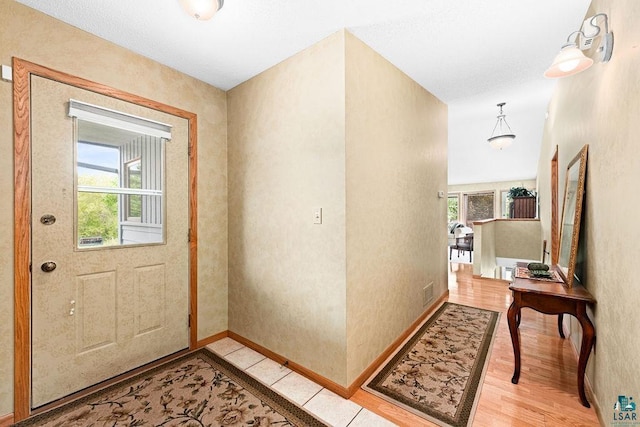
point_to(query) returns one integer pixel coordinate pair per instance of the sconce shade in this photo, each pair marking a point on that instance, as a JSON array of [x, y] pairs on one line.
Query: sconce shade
[[569, 61], [202, 9]]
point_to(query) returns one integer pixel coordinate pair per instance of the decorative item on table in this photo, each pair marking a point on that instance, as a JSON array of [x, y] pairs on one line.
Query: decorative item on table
[[537, 266], [538, 269], [541, 273]]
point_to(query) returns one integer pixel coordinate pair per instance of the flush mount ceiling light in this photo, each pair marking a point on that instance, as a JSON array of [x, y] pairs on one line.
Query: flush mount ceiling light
[[571, 60], [504, 136], [202, 9]]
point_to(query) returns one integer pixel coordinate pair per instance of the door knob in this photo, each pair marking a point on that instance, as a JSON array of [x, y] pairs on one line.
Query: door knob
[[48, 266]]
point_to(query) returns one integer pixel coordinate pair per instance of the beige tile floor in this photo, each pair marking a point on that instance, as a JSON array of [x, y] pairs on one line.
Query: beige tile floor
[[321, 402]]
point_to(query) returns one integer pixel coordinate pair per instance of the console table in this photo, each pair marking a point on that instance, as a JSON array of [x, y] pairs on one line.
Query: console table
[[552, 298]]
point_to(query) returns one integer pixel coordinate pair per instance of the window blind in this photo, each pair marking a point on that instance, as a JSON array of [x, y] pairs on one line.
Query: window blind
[[117, 119]]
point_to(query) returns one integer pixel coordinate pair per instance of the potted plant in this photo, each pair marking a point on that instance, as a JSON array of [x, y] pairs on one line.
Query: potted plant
[[523, 202], [519, 192]]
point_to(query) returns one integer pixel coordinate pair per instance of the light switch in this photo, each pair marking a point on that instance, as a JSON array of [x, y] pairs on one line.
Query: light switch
[[440, 194], [317, 215], [7, 73]]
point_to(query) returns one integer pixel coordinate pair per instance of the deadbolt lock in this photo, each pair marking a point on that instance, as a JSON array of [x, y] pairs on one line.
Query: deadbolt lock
[[47, 219]]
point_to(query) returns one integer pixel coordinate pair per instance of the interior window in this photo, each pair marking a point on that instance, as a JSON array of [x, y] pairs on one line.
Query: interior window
[[453, 207], [479, 206], [505, 204]]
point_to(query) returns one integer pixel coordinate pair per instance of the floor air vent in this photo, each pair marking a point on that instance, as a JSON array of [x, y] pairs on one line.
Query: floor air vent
[[427, 294]]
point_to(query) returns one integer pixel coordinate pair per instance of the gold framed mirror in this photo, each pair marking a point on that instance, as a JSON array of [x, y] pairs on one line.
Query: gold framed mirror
[[571, 215]]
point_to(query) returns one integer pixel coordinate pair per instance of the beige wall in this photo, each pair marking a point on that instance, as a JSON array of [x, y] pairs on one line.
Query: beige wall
[[336, 127], [286, 156], [396, 148], [33, 36], [484, 248], [600, 107], [505, 238], [519, 239], [495, 187]]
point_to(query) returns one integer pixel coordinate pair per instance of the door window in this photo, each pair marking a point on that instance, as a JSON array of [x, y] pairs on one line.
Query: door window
[[120, 179], [133, 202]]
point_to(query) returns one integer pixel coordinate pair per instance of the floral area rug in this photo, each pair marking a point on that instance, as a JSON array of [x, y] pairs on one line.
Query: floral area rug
[[438, 371], [198, 389]]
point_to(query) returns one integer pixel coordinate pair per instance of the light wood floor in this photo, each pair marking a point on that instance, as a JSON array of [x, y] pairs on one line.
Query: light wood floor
[[547, 392]]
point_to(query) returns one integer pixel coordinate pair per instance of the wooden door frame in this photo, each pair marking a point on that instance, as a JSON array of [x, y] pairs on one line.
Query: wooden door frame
[[22, 72], [555, 238]]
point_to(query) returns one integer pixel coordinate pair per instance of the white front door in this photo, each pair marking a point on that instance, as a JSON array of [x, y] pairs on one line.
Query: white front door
[[110, 256]]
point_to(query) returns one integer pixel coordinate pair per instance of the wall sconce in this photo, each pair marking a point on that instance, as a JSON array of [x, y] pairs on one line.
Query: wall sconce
[[503, 138], [202, 9], [571, 60]]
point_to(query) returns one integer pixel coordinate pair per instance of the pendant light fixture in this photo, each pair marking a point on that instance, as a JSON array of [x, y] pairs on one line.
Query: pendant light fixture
[[202, 9], [502, 136]]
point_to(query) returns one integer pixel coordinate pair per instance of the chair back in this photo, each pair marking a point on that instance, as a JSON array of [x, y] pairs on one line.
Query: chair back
[[462, 231]]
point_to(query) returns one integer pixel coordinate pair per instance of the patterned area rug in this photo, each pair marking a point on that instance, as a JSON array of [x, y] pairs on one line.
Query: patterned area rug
[[437, 373], [198, 389]]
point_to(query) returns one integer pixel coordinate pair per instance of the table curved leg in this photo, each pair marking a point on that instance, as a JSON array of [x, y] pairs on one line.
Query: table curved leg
[[513, 317], [560, 329], [588, 334]]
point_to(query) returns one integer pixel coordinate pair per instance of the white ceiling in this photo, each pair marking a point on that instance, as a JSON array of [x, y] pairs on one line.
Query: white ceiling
[[470, 54]]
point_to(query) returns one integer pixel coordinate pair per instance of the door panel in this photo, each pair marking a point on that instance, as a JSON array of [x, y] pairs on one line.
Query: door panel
[[149, 299], [95, 319], [103, 310]]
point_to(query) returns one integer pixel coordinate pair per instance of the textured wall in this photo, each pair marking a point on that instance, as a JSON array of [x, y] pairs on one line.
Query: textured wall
[[36, 37], [396, 148], [335, 126], [600, 107], [286, 156], [504, 238], [519, 239]]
